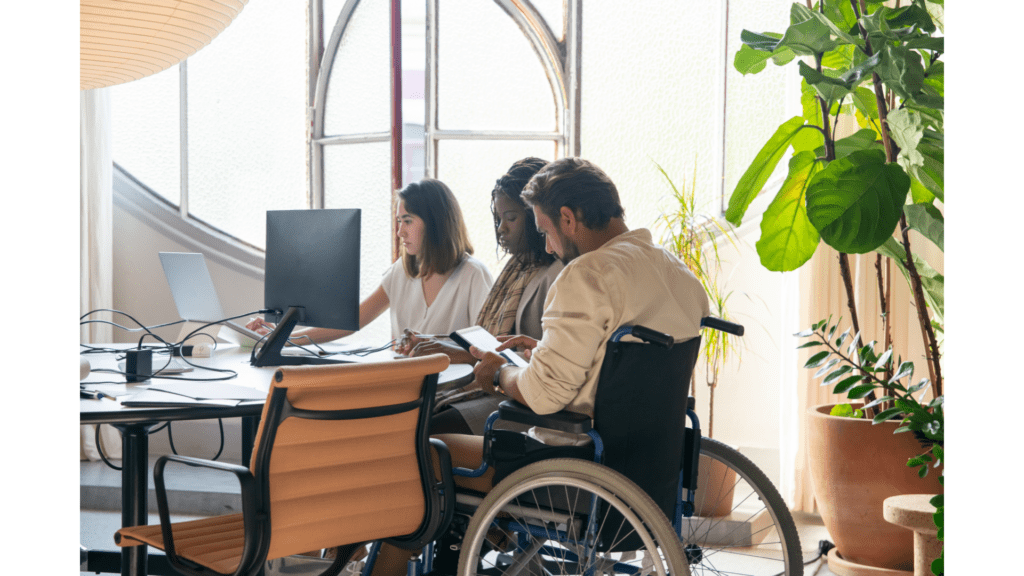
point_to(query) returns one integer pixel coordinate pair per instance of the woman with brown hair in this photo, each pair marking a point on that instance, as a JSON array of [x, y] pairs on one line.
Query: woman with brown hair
[[435, 286]]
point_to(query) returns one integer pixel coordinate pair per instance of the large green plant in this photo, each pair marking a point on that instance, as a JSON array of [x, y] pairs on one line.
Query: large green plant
[[881, 66]]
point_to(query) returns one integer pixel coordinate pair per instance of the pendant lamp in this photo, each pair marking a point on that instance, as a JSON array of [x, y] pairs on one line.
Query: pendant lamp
[[124, 40]]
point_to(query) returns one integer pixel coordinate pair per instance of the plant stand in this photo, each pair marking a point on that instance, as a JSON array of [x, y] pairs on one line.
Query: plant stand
[[914, 511]]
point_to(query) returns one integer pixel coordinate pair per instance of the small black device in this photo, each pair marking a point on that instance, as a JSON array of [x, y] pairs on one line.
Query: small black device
[[138, 365], [484, 340], [311, 277]]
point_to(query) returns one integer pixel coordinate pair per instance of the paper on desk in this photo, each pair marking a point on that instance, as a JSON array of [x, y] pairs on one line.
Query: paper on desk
[[150, 398], [210, 391]]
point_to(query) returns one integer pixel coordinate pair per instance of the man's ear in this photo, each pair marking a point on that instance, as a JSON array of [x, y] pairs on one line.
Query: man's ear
[[567, 220]]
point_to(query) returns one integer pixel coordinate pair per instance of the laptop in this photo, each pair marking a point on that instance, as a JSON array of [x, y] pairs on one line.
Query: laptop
[[196, 298]]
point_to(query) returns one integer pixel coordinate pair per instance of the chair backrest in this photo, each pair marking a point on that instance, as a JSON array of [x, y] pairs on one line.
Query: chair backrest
[[341, 454], [640, 413]]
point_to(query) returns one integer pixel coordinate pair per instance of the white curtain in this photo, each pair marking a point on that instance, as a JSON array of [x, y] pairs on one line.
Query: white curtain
[[96, 241]]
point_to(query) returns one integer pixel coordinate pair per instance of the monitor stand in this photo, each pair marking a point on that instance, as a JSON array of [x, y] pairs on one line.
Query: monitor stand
[[270, 353]]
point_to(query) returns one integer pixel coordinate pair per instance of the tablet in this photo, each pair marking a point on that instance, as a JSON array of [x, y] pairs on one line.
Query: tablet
[[482, 339]]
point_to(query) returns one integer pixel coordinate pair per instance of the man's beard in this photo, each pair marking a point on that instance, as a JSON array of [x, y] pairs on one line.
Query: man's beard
[[569, 249]]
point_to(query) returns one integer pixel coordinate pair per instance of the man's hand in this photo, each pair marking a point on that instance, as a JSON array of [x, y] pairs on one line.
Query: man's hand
[[524, 343], [484, 371]]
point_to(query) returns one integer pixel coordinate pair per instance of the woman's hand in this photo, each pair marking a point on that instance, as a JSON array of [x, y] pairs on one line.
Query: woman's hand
[[409, 340], [524, 343], [259, 326], [456, 354]]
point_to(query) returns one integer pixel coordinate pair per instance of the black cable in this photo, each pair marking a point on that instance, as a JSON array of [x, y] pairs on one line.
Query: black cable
[[99, 448], [127, 329], [220, 424]]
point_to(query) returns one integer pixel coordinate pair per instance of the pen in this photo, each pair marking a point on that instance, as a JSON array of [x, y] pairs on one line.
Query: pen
[[95, 395]]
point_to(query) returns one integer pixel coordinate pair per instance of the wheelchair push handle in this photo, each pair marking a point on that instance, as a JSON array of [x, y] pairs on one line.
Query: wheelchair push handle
[[721, 325], [644, 333]]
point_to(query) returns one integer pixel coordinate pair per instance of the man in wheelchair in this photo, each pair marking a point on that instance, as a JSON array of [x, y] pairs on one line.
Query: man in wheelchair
[[613, 277]]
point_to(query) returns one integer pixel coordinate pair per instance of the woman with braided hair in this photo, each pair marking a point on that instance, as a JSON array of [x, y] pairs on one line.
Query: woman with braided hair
[[513, 306]]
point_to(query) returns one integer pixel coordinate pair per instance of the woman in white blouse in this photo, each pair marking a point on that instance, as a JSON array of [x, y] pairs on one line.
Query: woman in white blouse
[[435, 286]]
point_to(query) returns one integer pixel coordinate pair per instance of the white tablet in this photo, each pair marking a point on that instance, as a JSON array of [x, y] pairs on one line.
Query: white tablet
[[484, 340]]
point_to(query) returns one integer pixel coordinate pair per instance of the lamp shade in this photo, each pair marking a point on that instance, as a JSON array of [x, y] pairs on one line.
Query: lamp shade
[[124, 40]]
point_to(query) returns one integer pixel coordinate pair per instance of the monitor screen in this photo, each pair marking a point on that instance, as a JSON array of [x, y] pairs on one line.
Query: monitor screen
[[313, 263]]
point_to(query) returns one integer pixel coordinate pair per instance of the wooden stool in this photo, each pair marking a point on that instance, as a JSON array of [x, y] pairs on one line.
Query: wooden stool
[[914, 511]]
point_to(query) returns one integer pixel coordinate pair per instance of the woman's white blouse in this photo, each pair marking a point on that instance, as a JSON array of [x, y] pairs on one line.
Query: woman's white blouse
[[457, 304]]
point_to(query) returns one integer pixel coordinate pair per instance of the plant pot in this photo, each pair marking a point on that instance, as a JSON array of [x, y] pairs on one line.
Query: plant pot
[[855, 465], [711, 472]]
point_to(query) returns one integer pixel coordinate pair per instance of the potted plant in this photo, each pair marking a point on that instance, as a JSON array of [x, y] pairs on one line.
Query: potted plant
[[692, 235], [880, 66]]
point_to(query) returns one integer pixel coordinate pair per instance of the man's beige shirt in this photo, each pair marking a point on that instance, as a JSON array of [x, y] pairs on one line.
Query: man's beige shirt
[[627, 281]]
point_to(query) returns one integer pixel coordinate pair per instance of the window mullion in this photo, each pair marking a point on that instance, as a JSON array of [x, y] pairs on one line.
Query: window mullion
[[183, 124]]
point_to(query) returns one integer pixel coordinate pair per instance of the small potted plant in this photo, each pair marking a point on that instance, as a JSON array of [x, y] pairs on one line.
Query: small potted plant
[[693, 235], [880, 66]]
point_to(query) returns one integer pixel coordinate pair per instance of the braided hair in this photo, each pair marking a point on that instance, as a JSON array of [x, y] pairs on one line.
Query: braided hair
[[534, 251]]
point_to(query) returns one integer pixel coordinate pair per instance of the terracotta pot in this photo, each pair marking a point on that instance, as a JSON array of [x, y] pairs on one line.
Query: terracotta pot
[[716, 481], [855, 466]]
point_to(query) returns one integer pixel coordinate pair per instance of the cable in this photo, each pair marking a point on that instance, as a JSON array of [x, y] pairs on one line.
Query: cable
[[823, 547], [99, 448], [220, 424]]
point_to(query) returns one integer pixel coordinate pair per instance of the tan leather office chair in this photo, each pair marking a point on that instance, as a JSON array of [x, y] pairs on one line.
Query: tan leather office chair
[[341, 457]]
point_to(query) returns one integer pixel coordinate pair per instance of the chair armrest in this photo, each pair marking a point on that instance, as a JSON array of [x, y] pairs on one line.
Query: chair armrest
[[564, 421], [254, 519]]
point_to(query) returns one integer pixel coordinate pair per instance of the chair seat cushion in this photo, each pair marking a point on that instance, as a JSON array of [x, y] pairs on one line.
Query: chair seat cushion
[[215, 543]]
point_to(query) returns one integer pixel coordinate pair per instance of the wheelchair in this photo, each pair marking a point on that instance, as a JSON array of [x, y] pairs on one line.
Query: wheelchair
[[648, 495]]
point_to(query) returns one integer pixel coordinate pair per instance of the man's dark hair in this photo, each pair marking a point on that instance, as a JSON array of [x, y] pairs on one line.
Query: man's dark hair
[[445, 237], [579, 185], [511, 186]]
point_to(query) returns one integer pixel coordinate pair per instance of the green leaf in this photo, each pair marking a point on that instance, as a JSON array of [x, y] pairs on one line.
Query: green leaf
[[924, 383], [749, 60], [927, 43], [830, 89], [905, 369], [788, 239], [935, 77], [856, 202], [877, 401], [846, 384], [810, 344], [854, 76], [932, 282], [901, 69], [859, 140], [806, 333], [911, 16], [937, 501], [884, 415], [860, 391], [807, 35], [853, 344], [906, 129], [760, 169], [828, 366], [844, 411], [817, 360], [842, 338], [919, 194], [837, 373], [926, 219], [931, 173], [764, 42], [811, 107], [883, 359]]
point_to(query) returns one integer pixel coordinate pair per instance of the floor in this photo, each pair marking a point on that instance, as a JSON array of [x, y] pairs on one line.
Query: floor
[[202, 492]]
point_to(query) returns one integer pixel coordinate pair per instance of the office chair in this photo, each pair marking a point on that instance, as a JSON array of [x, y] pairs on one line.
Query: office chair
[[341, 457]]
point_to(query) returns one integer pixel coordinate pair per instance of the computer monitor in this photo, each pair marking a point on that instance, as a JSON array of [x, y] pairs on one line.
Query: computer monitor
[[312, 277]]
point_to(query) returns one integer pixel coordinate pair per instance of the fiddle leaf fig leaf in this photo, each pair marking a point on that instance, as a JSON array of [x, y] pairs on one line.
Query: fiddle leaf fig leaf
[[788, 239], [860, 140], [829, 88], [926, 219], [749, 60], [912, 15], [762, 42], [901, 69], [807, 35], [856, 202], [750, 184], [918, 193]]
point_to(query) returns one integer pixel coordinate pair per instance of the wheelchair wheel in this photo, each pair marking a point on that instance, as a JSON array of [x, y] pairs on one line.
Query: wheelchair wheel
[[741, 524], [569, 516]]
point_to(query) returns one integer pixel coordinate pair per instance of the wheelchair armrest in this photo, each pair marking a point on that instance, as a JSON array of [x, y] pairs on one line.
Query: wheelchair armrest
[[253, 517], [564, 421]]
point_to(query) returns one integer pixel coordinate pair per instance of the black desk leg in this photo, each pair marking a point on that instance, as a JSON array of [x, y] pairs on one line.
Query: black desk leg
[[134, 492], [249, 426]]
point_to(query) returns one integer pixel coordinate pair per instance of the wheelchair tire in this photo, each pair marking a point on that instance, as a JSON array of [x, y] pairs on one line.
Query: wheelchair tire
[[763, 543], [497, 541]]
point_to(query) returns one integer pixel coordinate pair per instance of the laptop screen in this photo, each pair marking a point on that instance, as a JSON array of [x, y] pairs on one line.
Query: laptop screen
[[191, 286]]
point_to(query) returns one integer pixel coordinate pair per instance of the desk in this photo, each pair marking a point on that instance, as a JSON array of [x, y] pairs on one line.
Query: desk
[[135, 423]]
